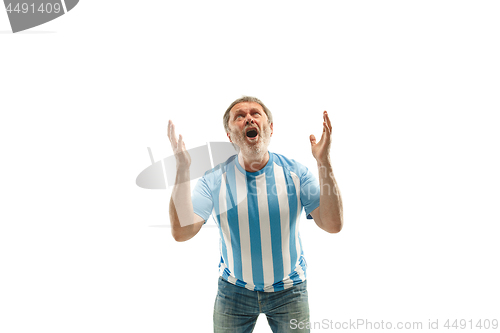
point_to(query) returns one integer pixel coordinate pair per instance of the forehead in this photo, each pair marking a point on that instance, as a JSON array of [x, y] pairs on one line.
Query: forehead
[[246, 107]]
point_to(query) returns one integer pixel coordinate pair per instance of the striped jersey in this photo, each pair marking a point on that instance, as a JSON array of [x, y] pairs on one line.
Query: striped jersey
[[258, 218]]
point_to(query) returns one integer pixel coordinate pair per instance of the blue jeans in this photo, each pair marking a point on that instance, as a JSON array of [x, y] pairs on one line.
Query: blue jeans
[[236, 308]]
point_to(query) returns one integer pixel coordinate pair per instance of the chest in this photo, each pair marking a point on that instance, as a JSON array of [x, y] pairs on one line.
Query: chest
[[264, 199]]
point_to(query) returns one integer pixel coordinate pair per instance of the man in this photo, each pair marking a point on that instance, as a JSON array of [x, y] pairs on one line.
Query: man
[[257, 197]]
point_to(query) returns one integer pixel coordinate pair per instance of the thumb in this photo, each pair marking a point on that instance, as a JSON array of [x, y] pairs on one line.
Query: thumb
[[312, 138]]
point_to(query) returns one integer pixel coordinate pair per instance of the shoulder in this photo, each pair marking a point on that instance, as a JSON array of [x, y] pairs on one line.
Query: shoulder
[[213, 177], [289, 164]]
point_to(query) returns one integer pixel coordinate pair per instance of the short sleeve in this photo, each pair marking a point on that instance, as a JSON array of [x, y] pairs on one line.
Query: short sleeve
[[309, 191], [202, 199]]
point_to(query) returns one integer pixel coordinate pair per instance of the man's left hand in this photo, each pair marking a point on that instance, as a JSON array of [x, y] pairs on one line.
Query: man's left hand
[[321, 150]]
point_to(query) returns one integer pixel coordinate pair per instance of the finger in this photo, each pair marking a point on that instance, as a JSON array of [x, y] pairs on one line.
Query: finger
[[173, 131], [326, 128], [170, 137], [328, 135], [173, 139], [181, 145], [328, 121], [312, 138]]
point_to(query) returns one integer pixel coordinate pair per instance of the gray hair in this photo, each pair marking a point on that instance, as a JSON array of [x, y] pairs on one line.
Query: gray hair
[[246, 99]]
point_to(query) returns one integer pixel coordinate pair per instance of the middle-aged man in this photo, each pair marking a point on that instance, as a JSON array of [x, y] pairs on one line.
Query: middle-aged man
[[257, 197]]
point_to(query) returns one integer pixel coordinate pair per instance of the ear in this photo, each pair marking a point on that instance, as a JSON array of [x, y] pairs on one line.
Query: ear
[[229, 136], [271, 126]]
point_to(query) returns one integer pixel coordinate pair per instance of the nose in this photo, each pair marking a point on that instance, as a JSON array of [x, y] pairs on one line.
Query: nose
[[249, 120]]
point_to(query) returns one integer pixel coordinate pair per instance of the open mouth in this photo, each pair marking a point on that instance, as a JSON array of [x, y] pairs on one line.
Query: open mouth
[[252, 133]]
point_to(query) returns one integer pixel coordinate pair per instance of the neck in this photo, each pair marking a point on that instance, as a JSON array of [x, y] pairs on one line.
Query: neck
[[253, 163]]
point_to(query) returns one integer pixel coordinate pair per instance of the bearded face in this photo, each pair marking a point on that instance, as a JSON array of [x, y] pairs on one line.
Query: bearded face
[[252, 139], [249, 128]]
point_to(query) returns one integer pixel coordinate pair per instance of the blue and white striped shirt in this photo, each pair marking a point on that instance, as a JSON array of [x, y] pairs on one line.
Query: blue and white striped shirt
[[258, 218]]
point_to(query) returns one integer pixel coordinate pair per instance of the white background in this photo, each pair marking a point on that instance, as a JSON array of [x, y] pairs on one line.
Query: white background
[[412, 89]]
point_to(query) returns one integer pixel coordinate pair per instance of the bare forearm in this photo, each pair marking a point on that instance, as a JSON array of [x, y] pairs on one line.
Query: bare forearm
[[181, 207], [330, 207], [184, 222]]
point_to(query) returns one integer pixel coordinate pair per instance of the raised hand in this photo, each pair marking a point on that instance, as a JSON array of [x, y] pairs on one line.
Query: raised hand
[[182, 158], [321, 150]]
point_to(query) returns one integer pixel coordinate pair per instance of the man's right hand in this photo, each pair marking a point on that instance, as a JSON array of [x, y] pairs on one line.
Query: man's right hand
[[185, 223], [182, 158]]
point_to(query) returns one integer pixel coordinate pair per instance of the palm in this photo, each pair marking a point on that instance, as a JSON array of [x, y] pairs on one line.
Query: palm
[[321, 149], [182, 157]]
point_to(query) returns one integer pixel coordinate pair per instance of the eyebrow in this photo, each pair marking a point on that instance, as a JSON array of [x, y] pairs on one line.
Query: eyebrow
[[252, 109]]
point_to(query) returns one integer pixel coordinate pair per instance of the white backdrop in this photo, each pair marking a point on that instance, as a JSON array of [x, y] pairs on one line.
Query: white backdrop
[[411, 88]]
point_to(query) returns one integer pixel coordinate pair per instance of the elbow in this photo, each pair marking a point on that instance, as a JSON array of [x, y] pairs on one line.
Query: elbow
[[178, 237], [335, 228]]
